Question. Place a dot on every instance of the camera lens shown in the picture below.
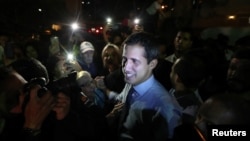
(41, 91)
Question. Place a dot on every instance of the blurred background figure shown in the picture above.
(187, 74)
(129, 20)
(226, 109)
(86, 58)
(151, 16)
(31, 51)
(238, 71)
(111, 57)
(19, 119)
(1, 56)
(13, 52)
(58, 67)
(223, 44)
(3, 41)
(113, 76)
(183, 42)
(55, 47)
(30, 68)
(89, 88)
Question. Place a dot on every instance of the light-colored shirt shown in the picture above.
(192, 102)
(171, 58)
(153, 96)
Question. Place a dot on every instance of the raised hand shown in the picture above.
(38, 108)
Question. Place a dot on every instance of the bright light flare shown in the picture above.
(70, 57)
(74, 26)
(231, 17)
(109, 20)
(164, 7)
(137, 21)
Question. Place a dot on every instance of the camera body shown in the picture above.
(68, 85)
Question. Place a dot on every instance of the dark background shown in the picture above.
(23, 15)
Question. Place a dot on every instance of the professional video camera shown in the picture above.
(68, 85)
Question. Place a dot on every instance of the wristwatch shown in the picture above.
(32, 132)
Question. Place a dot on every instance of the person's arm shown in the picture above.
(36, 111)
(117, 108)
(160, 10)
(101, 85)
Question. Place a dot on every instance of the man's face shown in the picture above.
(238, 74)
(136, 69)
(13, 95)
(238, 69)
(88, 57)
(182, 41)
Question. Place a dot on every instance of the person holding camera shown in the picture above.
(29, 114)
(38, 110)
(19, 121)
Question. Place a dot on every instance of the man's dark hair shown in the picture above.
(30, 68)
(146, 40)
(187, 30)
(191, 68)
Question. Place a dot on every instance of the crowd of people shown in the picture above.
(140, 88)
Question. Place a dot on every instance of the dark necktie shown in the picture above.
(129, 100)
(131, 96)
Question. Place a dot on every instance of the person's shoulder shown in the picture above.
(158, 88)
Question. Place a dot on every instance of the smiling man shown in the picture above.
(152, 112)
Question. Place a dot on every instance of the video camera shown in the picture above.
(68, 85)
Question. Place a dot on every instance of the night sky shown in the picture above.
(19, 15)
(24, 14)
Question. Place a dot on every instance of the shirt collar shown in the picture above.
(144, 86)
